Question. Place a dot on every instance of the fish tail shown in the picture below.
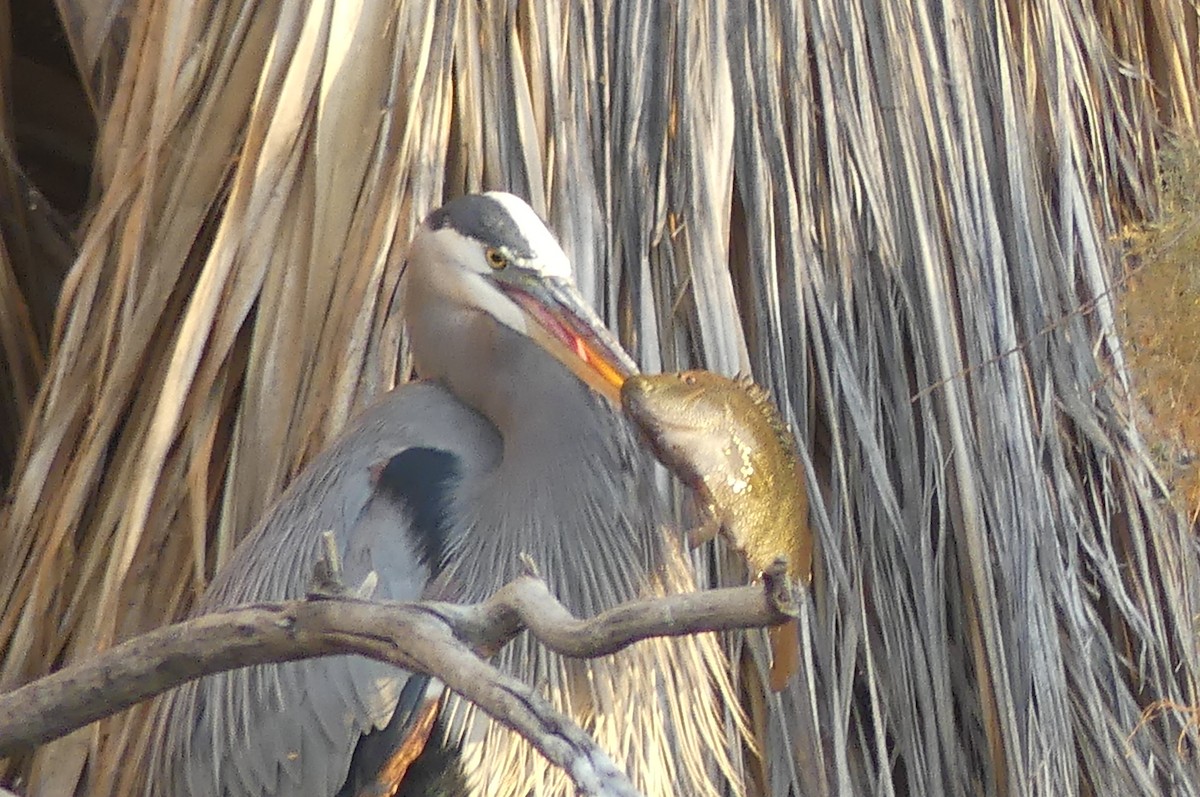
(785, 653)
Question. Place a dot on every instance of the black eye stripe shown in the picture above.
(484, 219)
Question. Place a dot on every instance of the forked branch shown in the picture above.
(439, 639)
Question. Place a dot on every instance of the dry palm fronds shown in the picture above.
(897, 213)
(35, 250)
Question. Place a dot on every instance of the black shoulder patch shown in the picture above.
(420, 479)
(484, 219)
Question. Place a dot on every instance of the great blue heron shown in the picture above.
(505, 448)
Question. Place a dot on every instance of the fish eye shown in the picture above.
(496, 258)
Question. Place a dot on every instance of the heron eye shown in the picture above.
(689, 379)
(496, 258)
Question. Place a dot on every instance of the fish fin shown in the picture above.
(756, 391)
(785, 653)
(746, 382)
(701, 534)
(765, 405)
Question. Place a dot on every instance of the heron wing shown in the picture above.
(292, 728)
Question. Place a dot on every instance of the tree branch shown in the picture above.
(439, 639)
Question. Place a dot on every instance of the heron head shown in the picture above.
(491, 254)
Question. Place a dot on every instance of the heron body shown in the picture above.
(510, 445)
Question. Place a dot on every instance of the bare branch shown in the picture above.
(438, 639)
(327, 572)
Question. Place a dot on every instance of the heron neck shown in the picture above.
(541, 409)
(568, 486)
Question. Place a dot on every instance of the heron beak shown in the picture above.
(566, 327)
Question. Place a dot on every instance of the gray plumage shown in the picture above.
(291, 728)
(544, 467)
